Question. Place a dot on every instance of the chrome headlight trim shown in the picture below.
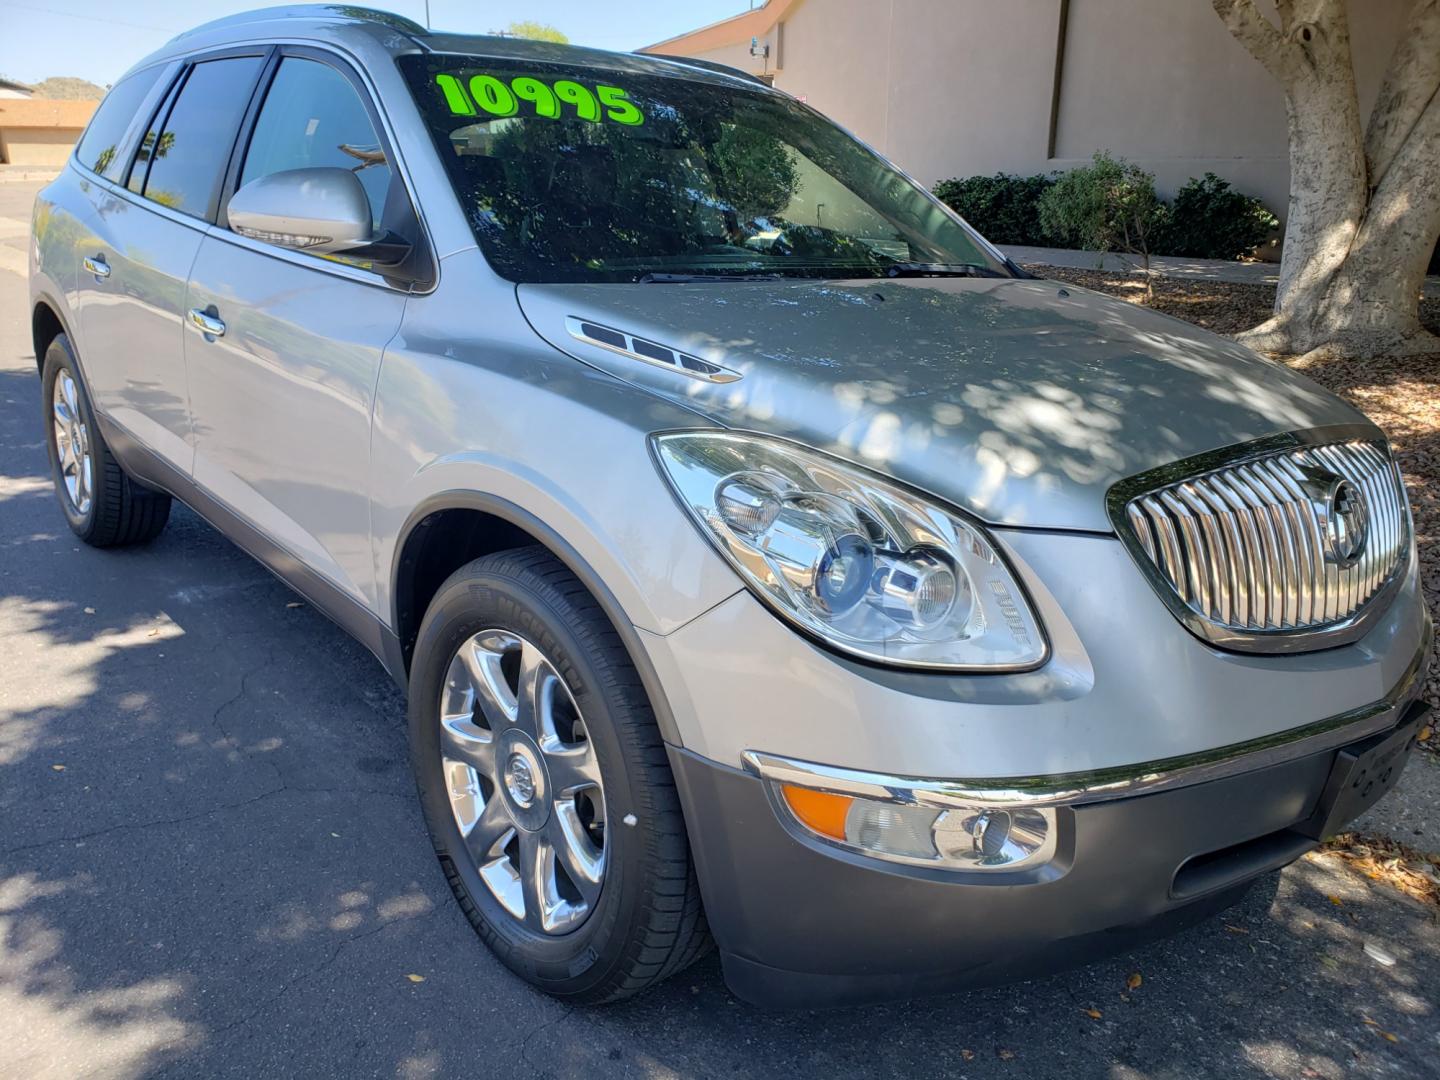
(912, 527)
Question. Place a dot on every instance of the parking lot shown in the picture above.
(211, 863)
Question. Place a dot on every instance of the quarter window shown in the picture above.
(99, 147)
(314, 118)
(187, 158)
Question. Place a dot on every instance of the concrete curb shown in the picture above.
(19, 174)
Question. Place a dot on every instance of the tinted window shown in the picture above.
(188, 158)
(100, 145)
(313, 118)
(586, 174)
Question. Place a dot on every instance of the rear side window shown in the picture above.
(187, 158)
(99, 147)
(314, 118)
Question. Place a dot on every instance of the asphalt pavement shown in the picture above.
(212, 864)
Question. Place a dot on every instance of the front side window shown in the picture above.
(583, 174)
(314, 118)
(186, 160)
(100, 145)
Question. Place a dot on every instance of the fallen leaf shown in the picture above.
(1005, 1055)
(1134, 981)
(1093, 1014)
(1236, 929)
(968, 1055)
(1337, 901)
(1330, 961)
(1372, 1023)
(1376, 857)
(1424, 735)
(416, 978)
(1387, 1036)
(58, 768)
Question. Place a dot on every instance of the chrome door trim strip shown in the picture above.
(1122, 781)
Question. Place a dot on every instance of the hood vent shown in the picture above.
(649, 352)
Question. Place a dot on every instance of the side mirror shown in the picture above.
(323, 211)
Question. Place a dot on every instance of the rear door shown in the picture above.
(281, 398)
(142, 232)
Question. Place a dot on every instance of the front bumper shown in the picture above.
(801, 922)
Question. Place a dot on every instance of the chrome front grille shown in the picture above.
(1274, 545)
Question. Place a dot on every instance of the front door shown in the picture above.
(281, 395)
(139, 244)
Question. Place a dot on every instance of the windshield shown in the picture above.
(584, 174)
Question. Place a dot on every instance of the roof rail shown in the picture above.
(708, 65)
(317, 12)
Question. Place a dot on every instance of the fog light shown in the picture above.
(957, 837)
(991, 831)
(989, 837)
(893, 830)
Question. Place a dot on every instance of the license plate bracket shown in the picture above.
(1363, 772)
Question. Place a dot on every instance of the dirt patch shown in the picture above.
(1401, 396)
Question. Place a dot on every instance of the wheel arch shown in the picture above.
(451, 528)
(46, 324)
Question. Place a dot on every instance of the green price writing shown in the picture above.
(498, 97)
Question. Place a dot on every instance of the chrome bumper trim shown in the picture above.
(1121, 781)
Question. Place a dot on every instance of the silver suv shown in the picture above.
(766, 556)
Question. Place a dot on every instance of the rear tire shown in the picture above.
(102, 504)
(637, 918)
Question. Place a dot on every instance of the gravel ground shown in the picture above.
(1402, 396)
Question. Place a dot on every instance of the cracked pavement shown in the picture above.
(212, 864)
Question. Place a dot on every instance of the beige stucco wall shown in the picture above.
(37, 146)
(736, 56)
(1166, 85)
(956, 87)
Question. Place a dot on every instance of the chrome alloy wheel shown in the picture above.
(523, 781)
(72, 443)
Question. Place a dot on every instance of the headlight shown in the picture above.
(868, 567)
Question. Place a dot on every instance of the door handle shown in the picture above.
(206, 323)
(97, 266)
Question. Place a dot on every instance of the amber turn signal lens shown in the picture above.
(821, 811)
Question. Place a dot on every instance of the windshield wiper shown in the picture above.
(924, 269)
(681, 279)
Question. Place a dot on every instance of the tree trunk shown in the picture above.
(1364, 208)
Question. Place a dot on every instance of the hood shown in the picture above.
(1020, 401)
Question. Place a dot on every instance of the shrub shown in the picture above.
(1109, 205)
(1004, 208)
(1211, 220)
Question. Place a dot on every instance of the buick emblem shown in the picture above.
(1347, 521)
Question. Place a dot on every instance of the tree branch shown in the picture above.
(1411, 85)
(1259, 35)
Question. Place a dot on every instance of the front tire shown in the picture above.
(102, 504)
(545, 784)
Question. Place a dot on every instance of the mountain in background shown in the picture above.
(68, 88)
